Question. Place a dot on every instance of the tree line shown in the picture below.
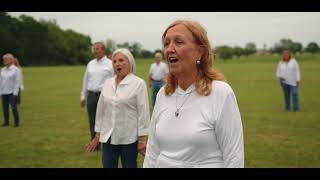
(42, 42)
(45, 43)
(227, 52)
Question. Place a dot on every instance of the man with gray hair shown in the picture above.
(158, 72)
(98, 70)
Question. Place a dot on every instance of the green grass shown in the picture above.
(54, 129)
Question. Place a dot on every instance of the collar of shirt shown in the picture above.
(180, 91)
(10, 67)
(104, 58)
(124, 81)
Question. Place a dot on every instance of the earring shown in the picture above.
(198, 62)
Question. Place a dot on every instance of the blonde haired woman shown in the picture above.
(196, 121)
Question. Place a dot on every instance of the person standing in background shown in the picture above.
(158, 72)
(97, 72)
(9, 89)
(288, 72)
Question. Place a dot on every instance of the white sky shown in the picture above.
(224, 28)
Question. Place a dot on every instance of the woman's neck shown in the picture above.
(119, 79)
(185, 81)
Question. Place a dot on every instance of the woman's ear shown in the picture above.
(201, 52)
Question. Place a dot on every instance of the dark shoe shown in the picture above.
(5, 125)
(16, 126)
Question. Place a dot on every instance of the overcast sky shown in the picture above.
(224, 28)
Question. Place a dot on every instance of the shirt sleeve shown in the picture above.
(21, 79)
(153, 150)
(143, 110)
(298, 77)
(229, 133)
(17, 83)
(84, 91)
(99, 113)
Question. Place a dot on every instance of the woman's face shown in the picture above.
(181, 51)
(286, 56)
(120, 65)
(7, 61)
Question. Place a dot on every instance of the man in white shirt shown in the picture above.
(9, 89)
(288, 72)
(98, 70)
(158, 72)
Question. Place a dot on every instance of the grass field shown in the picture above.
(54, 129)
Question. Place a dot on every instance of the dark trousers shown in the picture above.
(92, 102)
(128, 154)
(12, 100)
(289, 91)
(156, 86)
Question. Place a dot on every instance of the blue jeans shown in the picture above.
(156, 86)
(12, 100)
(92, 102)
(289, 91)
(127, 152)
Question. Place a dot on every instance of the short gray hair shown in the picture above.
(102, 45)
(8, 55)
(158, 54)
(129, 56)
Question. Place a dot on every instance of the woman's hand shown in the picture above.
(93, 144)
(142, 146)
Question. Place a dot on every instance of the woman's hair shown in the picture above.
(8, 56)
(205, 73)
(16, 62)
(129, 56)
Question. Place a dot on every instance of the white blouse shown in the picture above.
(289, 71)
(10, 80)
(123, 112)
(206, 133)
(158, 71)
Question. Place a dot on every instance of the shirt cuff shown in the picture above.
(143, 132)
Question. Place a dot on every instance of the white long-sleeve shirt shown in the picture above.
(96, 74)
(207, 133)
(21, 79)
(123, 112)
(158, 71)
(289, 71)
(9, 80)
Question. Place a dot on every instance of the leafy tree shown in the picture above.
(224, 52)
(312, 47)
(250, 48)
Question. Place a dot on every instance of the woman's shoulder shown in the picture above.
(137, 79)
(221, 87)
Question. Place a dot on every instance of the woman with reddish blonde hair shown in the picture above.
(196, 120)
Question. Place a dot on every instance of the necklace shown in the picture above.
(176, 113)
